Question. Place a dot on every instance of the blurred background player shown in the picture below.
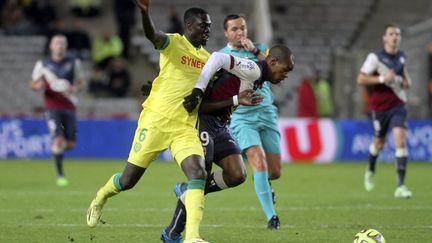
(386, 73)
(59, 76)
(255, 127)
(163, 123)
(228, 89)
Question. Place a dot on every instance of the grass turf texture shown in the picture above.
(316, 203)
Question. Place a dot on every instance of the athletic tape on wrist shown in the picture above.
(235, 100)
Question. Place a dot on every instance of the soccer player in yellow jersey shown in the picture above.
(164, 123)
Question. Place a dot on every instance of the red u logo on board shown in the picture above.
(313, 137)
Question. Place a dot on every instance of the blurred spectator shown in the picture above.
(13, 21)
(322, 91)
(85, 8)
(118, 78)
(97, 83)
(114, 82)
(42, 14)
(307, 106)
(176, 25)
(106, 48)
(79, 41)
(125, 17)
(59, 27)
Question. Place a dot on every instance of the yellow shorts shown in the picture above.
(156, 133)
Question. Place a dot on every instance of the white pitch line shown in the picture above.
(238, 226)
(214, 209)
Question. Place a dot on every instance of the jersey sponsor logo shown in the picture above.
(248, 65)
(137, 147)
(190, 61)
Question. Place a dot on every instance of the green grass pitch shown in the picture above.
(316, 203)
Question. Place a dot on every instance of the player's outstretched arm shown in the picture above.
(247, 97)
(214, 63)
(156, 37)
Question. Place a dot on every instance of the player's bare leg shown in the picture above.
(117, 183)
(233, 173)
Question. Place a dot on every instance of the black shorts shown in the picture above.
(216, 138)
(383, 121)
(62, 122)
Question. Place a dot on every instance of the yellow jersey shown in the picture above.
(180, 65)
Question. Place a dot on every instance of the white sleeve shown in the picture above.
(370, 65)
(216, 61)
(37, 71)
(247, 71)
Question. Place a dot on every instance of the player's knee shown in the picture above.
(376, 147)
(200, 173)
(380, 146)
(196, 173)
(237, 177)
(194, 168)
(57, 148)
(70, 145)
(275, 174)
(260, 166)
(260, 163)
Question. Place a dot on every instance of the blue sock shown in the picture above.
(263, 191)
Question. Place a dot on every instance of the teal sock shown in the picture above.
(196, 184)
(116, 181)
(263, 191)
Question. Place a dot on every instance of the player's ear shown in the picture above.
(273, 60)
(188, 25)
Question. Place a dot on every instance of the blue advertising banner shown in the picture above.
(327, 140)
(356, 136)
(29, 138)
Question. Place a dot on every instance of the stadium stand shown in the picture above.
(314, 30)
(330, 35)
(414, 43)
(17, 57)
